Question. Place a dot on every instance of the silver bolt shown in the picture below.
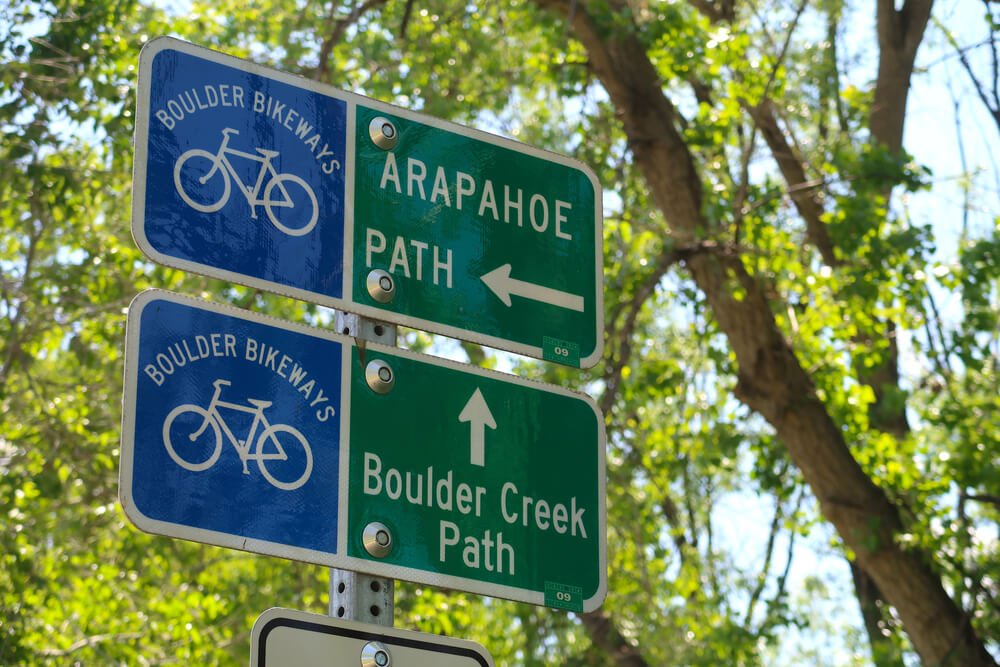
(379, 376)
(377, 539)
(383, 133)
(375, 654)
(381, 286)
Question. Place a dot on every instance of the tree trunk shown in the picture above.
(603, 633)
(771, 381)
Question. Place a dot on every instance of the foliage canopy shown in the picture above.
(777, 266)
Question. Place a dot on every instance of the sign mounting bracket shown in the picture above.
(355, 596)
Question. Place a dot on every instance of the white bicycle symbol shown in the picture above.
(196, 168)
(196, 453)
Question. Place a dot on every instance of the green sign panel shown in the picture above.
(481, 235)
(479, 476)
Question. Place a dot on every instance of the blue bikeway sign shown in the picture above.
(262, 178)
(247, 432)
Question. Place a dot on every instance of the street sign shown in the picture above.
(243, 431)
(287, 638)
(274, 181)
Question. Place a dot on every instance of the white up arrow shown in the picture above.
(500, 282)
(478, 414)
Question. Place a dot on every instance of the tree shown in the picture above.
(773, 329)
(771, 377)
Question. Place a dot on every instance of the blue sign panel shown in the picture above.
(243, 172)
(232, 429)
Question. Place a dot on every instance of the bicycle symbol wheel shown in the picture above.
(187, 443)
(284, 457)
(201, 181)
(291, 205)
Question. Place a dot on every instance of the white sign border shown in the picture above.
(141, 143)
(275, 617)
(339, 559)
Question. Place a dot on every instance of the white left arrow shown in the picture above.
(478, 414)
(503, 285)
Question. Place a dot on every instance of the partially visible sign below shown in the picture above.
(263, 178)
(247, 432)
(287, 638)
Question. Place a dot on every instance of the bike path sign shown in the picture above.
(247, 432)
(262, 178)
(287, 638)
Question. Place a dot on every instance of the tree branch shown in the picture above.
(805, 193)
(717, 11)
(765, 569)
(625, 333)
(984, 498)
(93, 640)
(992, 106)
(14, 336)
(900, 33)
(807, 200)
(335, 29)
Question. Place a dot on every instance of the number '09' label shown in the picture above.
(563, 596)
(561, 351)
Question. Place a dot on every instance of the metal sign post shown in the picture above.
(354, 595)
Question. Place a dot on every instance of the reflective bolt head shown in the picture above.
(383, 133)
(381, 286)
(379, 376)
(377, 539)
(375, 654)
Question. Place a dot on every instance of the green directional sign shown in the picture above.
(480, 235)
(481, 476)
